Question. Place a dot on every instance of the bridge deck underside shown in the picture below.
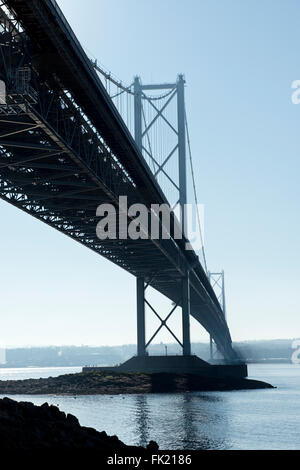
(58, 165)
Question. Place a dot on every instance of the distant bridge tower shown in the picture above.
(177, 180)
(217, 281)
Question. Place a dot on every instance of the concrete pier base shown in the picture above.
(175, 365)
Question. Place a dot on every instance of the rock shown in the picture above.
(72, 420)
(25, 426)
(152, 447)
(116, 383)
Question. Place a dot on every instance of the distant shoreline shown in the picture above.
(274, 351)
(259, 361)
(270, 361)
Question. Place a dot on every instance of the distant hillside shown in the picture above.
(53, 356)
(277, 350)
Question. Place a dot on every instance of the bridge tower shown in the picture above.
(142, 129)
(217, 280)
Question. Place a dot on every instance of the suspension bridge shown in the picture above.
(74, 137)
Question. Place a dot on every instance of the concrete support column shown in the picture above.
(186, 341)
(140, 303)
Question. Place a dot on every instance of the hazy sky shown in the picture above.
(239, 59)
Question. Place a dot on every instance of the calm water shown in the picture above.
(251, 419)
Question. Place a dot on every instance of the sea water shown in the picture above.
(247, 419)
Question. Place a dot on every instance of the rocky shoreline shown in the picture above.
(25, 426)
(94, 383)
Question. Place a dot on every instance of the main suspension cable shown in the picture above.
(108, 76)
(195, 191)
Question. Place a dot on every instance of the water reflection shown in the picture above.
(186, 421)
(142, 420)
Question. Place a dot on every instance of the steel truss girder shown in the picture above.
(59, 125)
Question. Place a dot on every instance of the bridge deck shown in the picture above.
(64, 150)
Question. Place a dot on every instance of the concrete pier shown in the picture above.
(175, 365)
